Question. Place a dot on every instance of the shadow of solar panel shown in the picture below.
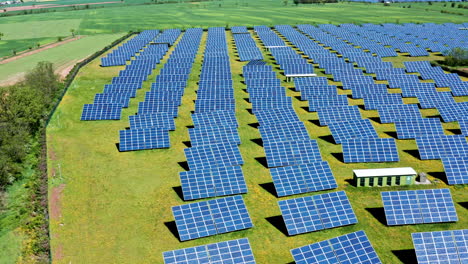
(350, 248)
(370, 150)
(232, 251)
(333, 114)
(412, 128)
(441, 246)
(358, 128)
(291, 153)
(211, 217)
(439, 146)
(212, 156)
(456, 169)
(373, 101)
(208, 135)
(200, 184)
(291, 131)
(311, 177)
(160, 120)
(215, 118)
(145, 138)
(393, 113)
(452, 112)
(320, 101)
(311, 213)
(420, 206)
(101, 112)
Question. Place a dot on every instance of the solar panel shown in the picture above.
(312, 213)
(417, 89)
(333, 114)
(452, 112)
(373, 101)
(213, 155)
(358, 128)
(101, 112)
(370, 150)
(208, 135)
(320, 101)
(232, 251)
(161, 120)
(215, 118)
(144, 138)
(432, 100)
(435, 146)
(147, 107)
(361, 90)
(113, 98)
(449, 246)
(412, 128)
(292, 131)
(456, 169)
(291, 153)
(350, 248)
(198, 184)
(463, 123)
(419, 206)
(310, 177)
(393, 113)
(276, 116)
(211, 217)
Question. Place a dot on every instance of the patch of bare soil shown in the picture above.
(55, 202)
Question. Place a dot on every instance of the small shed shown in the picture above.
(384, 177)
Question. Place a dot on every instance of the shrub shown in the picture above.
(457, 57)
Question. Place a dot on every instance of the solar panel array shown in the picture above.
(456, 169)
(232, 251)
(410, 128)
(370, 150)
(211, 217)
(434, 146)
(246, 48)
(419, 206)
(449, 246)
(350, 248)
(317, 212)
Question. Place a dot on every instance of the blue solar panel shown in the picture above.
(233, 251)
(438, 146)
(150, 107)
(161, 120)
(292, 131)
(312, 213)
(311, 177)
(276, 116)
(452, 112)
(208, 135)
(432, 100)
(456, 169)
(213, 156)
(449, 246)
(291, 153)
(319, 101)
(463, 123)
(333, 114)
(211, 217)
(417, 89)
(459, 89)
(370, 150)
(352, 248)
(393, 113)
(101, 112)
(420, 206)
(373, 101)
(113, 98)
(412, 128)
(362, 90)
(122, 88)
(144, 138)
(216, 118)
(358, 128)
(198, 184)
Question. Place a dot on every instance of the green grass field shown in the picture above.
(116, 207)
(62, 56)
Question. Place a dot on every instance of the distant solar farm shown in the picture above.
(339, 74)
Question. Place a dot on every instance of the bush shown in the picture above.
(457, 57)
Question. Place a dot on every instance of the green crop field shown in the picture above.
(116, 207)
(62, 56)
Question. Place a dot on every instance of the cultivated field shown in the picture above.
(111, 207)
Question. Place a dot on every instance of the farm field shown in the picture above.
(112, 207)
(63, 56)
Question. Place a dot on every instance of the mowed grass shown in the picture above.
(38, 29)
(116, 207)
(65, 55)
(237, 12)
(7, 46)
